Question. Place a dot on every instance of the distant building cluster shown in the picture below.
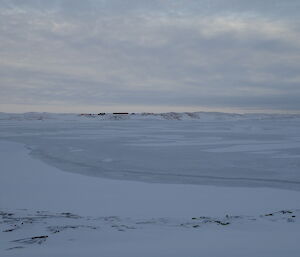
(103, 113)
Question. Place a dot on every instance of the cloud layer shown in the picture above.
(173, 54)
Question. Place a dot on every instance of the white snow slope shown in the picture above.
(47, 212)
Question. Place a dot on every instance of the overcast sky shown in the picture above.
(143, 55)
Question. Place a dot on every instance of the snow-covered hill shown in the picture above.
(202, 116)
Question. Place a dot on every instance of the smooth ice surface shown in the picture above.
(31, 184)
(190, 148)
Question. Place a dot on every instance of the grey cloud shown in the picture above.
(230, 53)
(207, 7)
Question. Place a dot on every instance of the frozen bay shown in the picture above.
(212, 149)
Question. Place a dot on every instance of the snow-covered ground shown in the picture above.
(47, 212)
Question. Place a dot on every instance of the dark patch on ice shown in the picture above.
(57, 229)
(70, 215)
(31, 240)
(14, 248)
(121, 227)
(205, 220)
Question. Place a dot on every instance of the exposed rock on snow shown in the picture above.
(51, 224)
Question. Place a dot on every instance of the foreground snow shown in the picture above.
(46, 212)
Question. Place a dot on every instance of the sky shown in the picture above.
(154, 56)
